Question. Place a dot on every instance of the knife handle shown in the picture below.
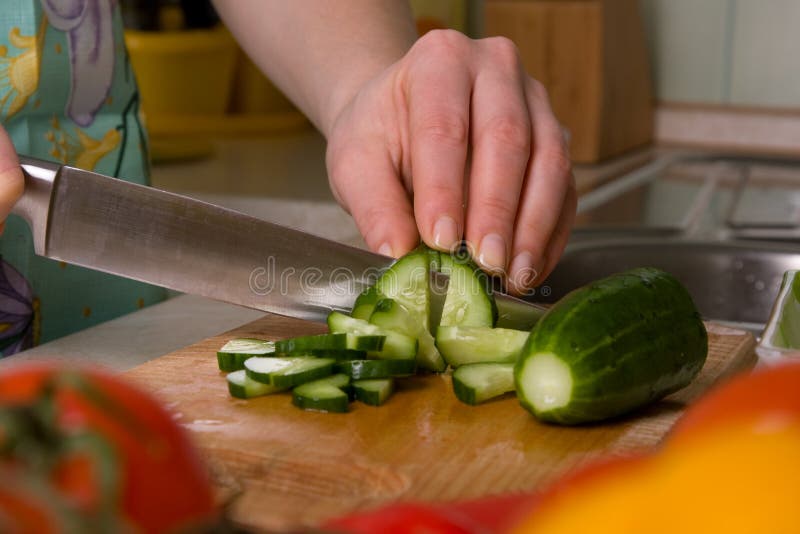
(34, 206)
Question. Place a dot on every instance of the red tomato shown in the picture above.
(23, 509)
(110, 449)
(765, 398)
(486, 515)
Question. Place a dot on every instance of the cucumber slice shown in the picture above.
(407, 282)
(374, 392)
(288, 372)
(324, 395)
(242, 386)
(611, 347)
(339, 355)
(479, 382)
(329, 342)
(232, 355)
(463, 345)
(365, 302)
(469, 301)
(362, 369)
(392, 315)
(395, 346)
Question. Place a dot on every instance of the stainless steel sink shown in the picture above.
(731, 282)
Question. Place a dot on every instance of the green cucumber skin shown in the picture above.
(330, 394)
(231, 361)
(365, 303)
(371, 369)
(468, 394)
(327, 342)
(337, 404)
(365, 391)
(629, 339)
(339, 354)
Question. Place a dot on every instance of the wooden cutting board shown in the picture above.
(290, 468)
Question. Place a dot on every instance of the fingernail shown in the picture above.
(386, 250)
(522, 273)
(492, 252)
(445, 233)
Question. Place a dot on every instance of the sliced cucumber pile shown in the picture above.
(601, 351)
(232, 355)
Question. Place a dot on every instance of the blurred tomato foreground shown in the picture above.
(83, 451)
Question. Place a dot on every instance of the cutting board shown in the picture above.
(286, 468)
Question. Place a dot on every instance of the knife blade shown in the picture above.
(170, 240)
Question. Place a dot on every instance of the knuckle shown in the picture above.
(558, 163)
(510, 131)
(504, 50)
(442, 41)
(447, 128)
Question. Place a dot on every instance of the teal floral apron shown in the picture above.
(67, 94)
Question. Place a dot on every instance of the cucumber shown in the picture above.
(611, 347)
(329, 342)
(365, 302)
(391, 315)
(479, 382)
(325, 395)
(288, 372)
(338, 354)
(395, 345)
(462, 345)
(469, 300)
(407, 282)
(242, 386)
(363, 369)
(373, 392)
(232, 355)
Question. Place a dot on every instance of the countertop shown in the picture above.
(281, 179)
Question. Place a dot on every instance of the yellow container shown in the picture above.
(182, 74)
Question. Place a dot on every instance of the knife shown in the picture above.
(169, 240)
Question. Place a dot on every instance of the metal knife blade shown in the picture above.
(173, 241)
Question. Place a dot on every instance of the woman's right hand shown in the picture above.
(12, 182)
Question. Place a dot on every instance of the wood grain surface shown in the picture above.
(289, 469)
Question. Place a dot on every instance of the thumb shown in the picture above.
(366, 184)
(12, 182)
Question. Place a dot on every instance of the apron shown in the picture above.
(68, 95)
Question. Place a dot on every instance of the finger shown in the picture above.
(11, 180)
(367, 186)
(438, 92)
(501, 144)
(547, 182)
(558, 241)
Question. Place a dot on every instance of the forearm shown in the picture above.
(320, 52)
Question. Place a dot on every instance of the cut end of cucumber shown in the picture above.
(545, 381)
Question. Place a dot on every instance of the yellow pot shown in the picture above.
(182, 74)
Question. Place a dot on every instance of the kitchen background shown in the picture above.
(716, 72)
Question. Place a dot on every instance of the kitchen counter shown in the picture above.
(281, 179)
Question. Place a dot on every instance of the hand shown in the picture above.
(11, 181)
(456, 141)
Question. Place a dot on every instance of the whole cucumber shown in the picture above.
(610, 347)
